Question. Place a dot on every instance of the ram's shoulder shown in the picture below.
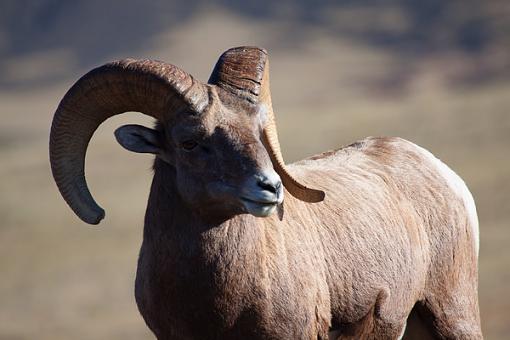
(382, 149)
(391, 157)
(390, 150)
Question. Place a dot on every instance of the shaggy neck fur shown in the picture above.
(196, 263)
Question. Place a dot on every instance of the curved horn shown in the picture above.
(244, 71)
(151, 87)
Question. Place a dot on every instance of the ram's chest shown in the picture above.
(230, 296)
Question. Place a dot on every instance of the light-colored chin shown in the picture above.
(259, 210)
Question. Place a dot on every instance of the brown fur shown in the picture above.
(389, 235)
(396, 234)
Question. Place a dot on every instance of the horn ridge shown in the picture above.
(244, 71)
(150, 87)
(239, 70)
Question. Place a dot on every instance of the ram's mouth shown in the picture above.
(259, 208)
(261, 202)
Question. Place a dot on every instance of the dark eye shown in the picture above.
(188, 145)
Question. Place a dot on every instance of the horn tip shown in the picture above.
(307, 195)
(94, 217)
(323, 195)
(317, 196)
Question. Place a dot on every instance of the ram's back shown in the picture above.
(395, 221)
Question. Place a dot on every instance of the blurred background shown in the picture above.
(435, 72)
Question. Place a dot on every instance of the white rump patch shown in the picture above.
(460, 189)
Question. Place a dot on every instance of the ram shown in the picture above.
(365, 235)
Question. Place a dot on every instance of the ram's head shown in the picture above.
(218, 139)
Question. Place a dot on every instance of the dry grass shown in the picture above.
(61, 279)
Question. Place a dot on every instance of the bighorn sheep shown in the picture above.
(396, 228)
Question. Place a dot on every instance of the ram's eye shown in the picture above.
(188, 145)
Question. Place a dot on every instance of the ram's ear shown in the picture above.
(139, 139)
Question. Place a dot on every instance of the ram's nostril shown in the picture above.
(267, 184)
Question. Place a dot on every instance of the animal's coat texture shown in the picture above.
(391, 233)
(395, 235)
